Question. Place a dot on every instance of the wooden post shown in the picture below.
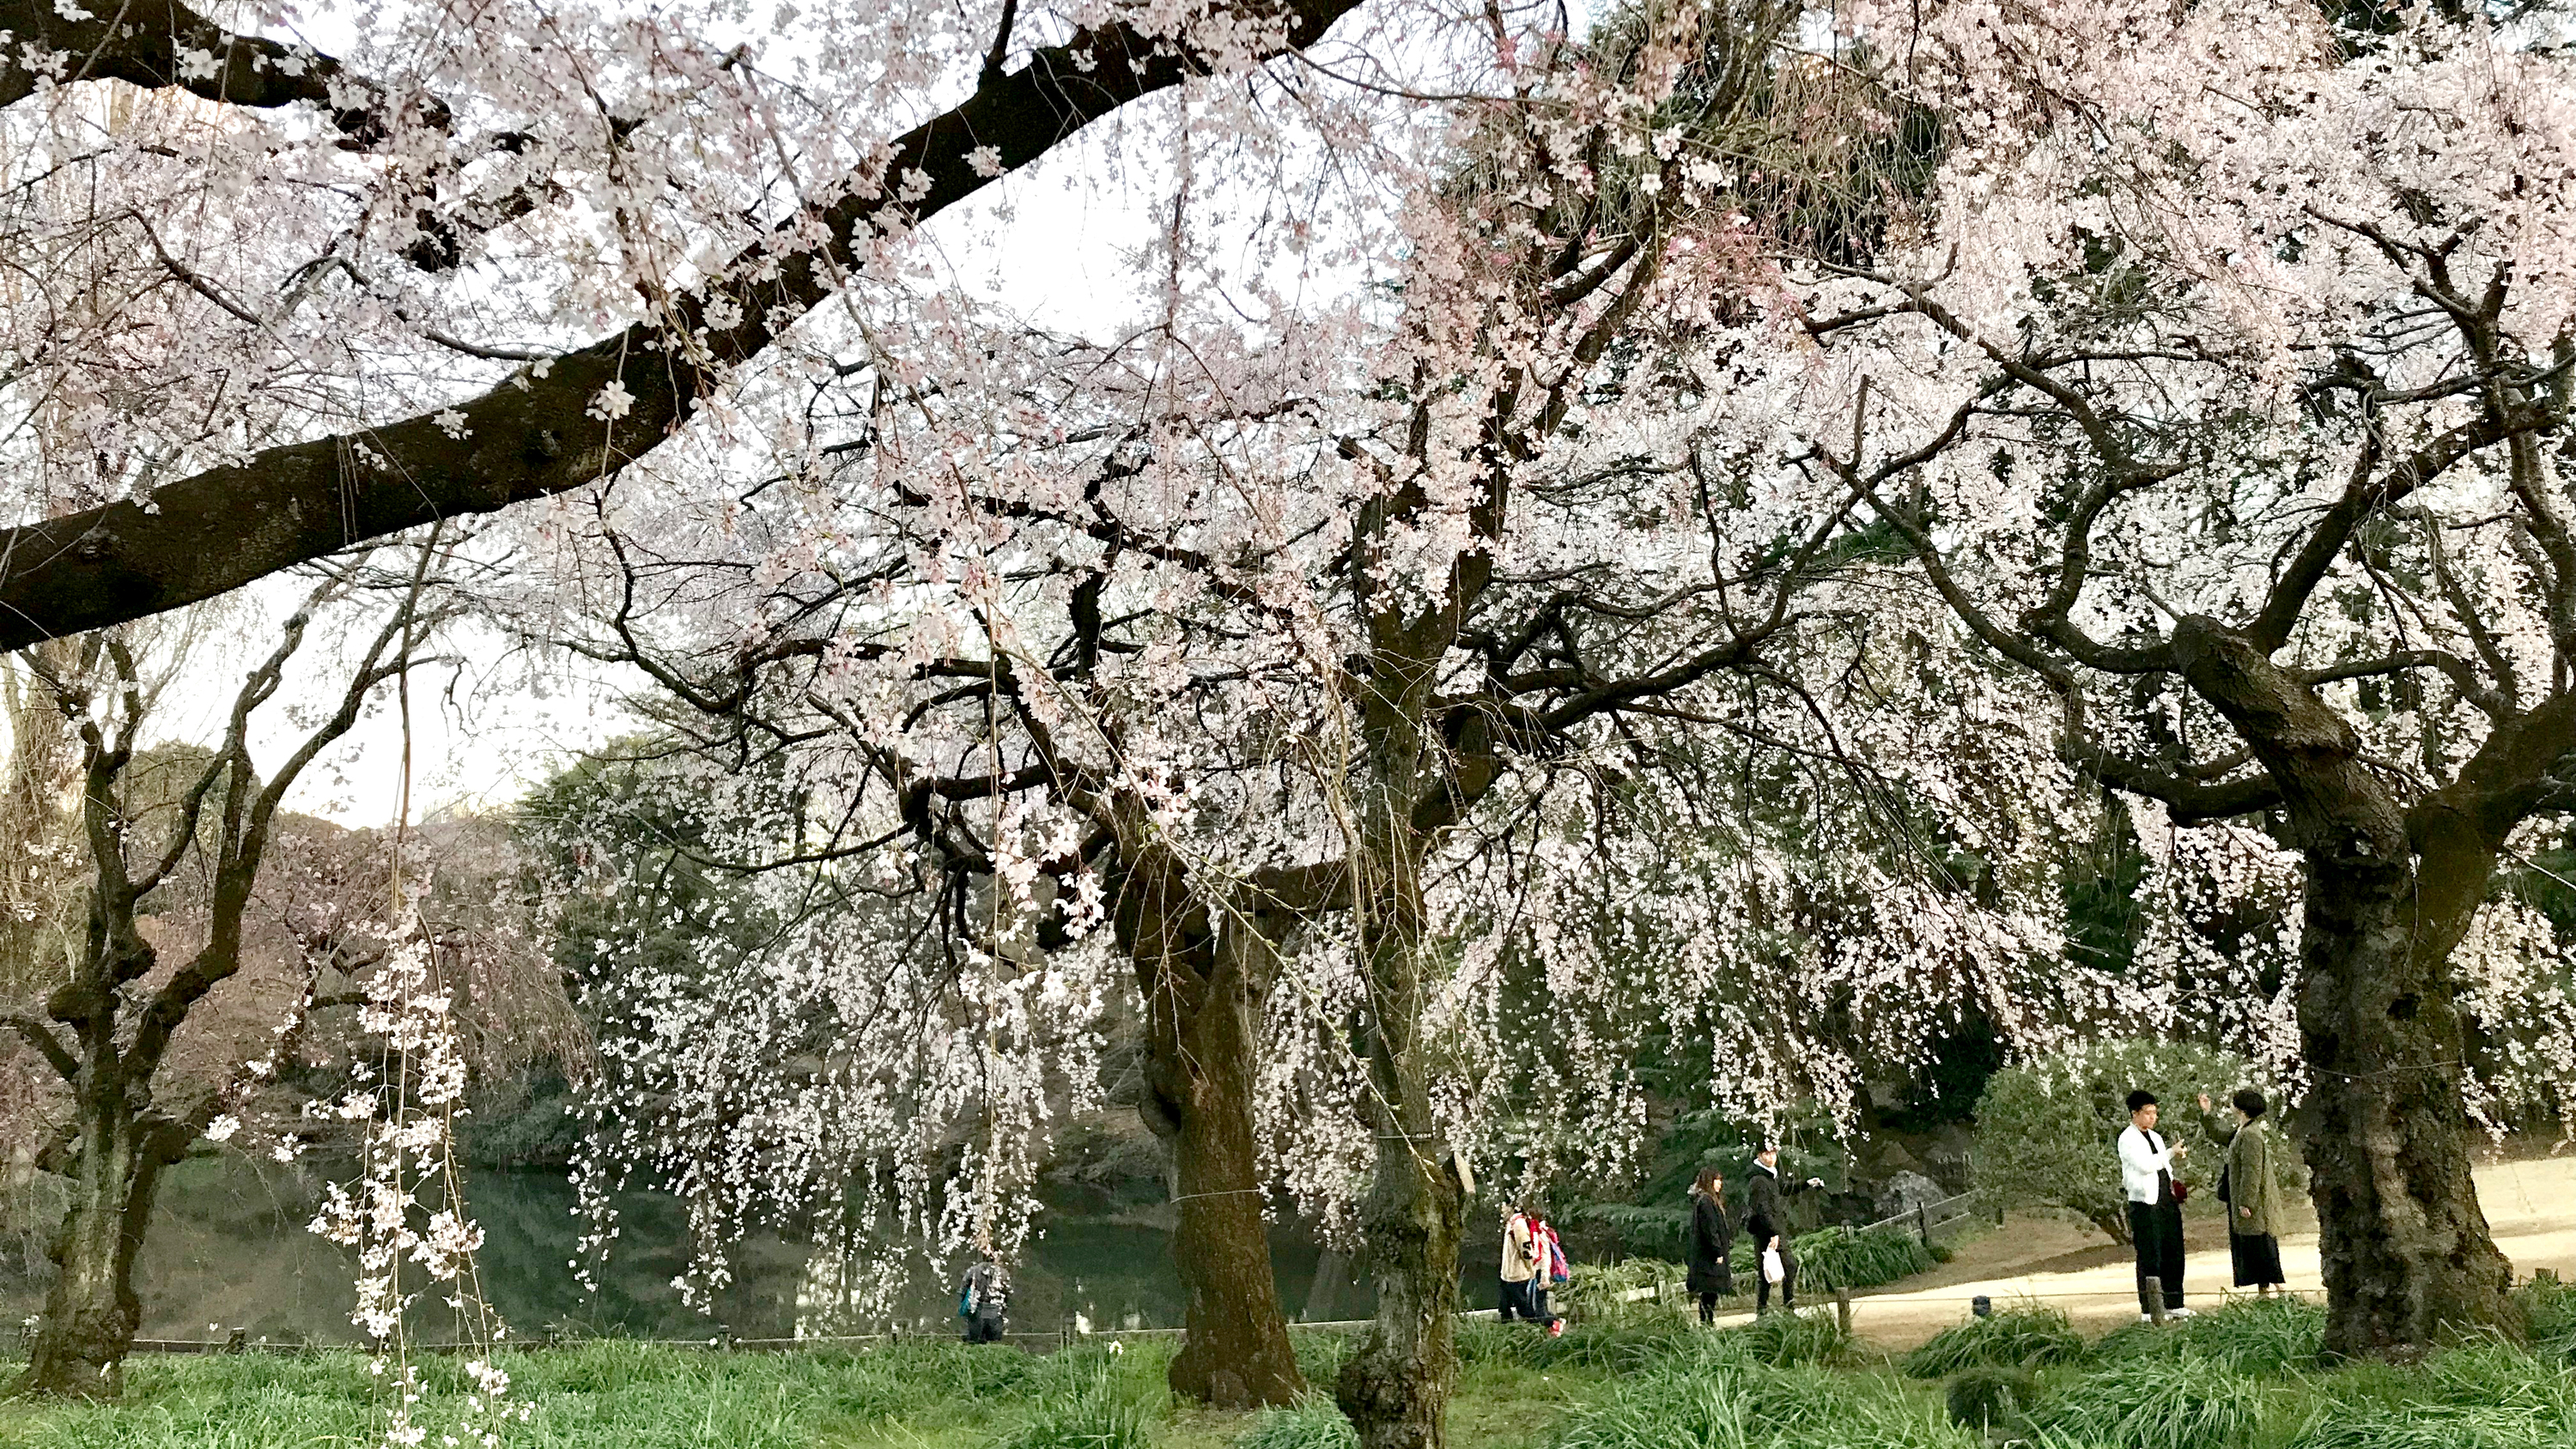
(1923, 1222)
(1842, 1310)
(2151, 1298)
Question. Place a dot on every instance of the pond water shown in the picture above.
(229, 1248)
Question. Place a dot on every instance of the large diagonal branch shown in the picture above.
(538, 433)
(49, 1046)
(162, 44)
(2525, 766)
(2365, 498)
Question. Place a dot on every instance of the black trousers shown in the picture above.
(1788, 1284)
(983, 1328)
(1527, 1298)
(1708, 1308)
(2155, 1230)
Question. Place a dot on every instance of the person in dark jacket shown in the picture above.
(983, 1299)
(2251, 1188)
(1770, 1226)
(1712, 1242)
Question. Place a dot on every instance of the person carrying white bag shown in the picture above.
(1770, 1228)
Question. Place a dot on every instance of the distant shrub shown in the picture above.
(1840, 1257)
(2045, 1131)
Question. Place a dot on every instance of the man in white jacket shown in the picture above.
(2155, 1211)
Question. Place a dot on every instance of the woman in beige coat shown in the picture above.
(2252, 1190)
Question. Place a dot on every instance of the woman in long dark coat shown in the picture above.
(2253, 1192)
(1712, 1240)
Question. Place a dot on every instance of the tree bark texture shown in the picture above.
(1396, 1384)
(113, 1150)
(92, 1311)
(2408, 1259)
(1204, 1031)
(1203, 985)
(119, 1139)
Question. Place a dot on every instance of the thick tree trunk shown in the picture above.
(1396, 1385)
(92, 1312)
(1235, 1353)
(2407, 1256)
(1203, 989)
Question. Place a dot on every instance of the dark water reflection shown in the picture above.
(230, 1248)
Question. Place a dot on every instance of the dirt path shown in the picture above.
(2530, 1206)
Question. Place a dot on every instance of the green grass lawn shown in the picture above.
(1646, 1379)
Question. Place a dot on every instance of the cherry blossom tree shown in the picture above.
(108, 1029)
(1201, 635)
(2219, 398)
(287, 301)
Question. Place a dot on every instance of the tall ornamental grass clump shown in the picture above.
(2026, 1336)
(1627, 1343)
(1789, 1340)
(1991, 1400)
(1086, 1406)
(1731, 1405)
(1319, 1354)
(1841, 1257)
(1637, 1339)
(1666, 1411)
(2158, 1403)
(2380, 1426)
(1313, 1422)
(2265, 1338)
(2477, 1396)
(220, 1403)
(944, 1368)
(2549, 1308)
